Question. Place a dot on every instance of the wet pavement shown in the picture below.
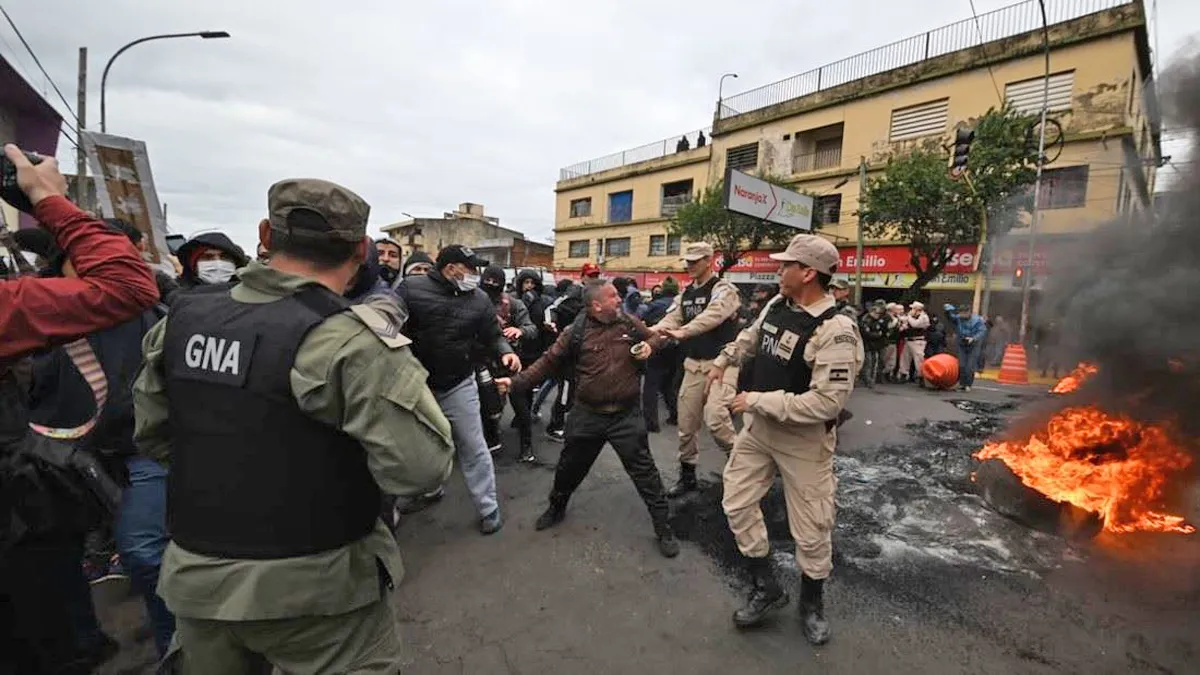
(927, 577)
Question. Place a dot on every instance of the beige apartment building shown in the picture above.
(816, 128)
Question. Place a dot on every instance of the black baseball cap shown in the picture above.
(457, 253)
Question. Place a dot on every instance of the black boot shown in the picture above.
(668, 545)
(764, 597)
(812, 610)
(554, 513)
(686, 483)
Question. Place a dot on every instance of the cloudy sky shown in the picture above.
(419, 106)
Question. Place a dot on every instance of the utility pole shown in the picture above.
(982, 267)
(1026, 287)
(858, 260)
(80, 155)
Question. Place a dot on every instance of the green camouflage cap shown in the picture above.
(343, 213)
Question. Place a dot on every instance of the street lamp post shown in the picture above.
(207, 35)
(721, 90)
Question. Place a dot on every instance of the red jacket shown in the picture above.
(114, 285)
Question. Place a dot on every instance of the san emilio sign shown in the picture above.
(755, 197)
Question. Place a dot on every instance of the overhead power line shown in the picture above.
(982, 42)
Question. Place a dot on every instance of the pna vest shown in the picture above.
(252, 476)
(779, 362)
(708, 345)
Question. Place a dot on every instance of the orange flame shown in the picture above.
(1075, 378)
(1106, 464)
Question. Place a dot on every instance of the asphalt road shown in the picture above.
(926, 578)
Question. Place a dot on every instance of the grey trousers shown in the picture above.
(460, 404)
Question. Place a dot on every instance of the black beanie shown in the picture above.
(413, 259)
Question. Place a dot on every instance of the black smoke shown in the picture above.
(1127, 298)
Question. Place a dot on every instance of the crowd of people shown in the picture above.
(249, 433)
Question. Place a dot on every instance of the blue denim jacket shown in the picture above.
(973, 326)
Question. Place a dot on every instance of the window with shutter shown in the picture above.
(1026, 96)
(915, 121)
(742, 157)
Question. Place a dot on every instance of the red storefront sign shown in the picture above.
(875, 259)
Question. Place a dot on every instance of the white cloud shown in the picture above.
(420, 106)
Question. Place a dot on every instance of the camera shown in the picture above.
(9, 190)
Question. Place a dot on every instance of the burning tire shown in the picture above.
(1005, 492)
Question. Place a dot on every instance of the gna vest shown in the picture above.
(252, 476)
(779, 360)
(708, 345)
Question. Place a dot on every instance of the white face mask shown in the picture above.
(468, 283)
(215, 271)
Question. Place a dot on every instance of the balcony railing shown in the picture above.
(996, 25)
(639, 154)
(673, 203)
(830, 158)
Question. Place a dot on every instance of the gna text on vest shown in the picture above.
(217, 355)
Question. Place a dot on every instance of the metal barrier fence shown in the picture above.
(639, 154)
(996, 25)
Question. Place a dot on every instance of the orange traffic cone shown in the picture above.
(1014, 369)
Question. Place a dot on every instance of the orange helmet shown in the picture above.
(590, 269)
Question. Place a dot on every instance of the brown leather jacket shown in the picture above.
(605, 372)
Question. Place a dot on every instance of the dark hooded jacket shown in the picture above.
(536, 301)
(215, 240)
(369, 289)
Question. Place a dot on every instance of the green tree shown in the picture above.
(916, 201)
(731, 234)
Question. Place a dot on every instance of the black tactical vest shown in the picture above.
(708, 345)
(779, 362)
(252, 476)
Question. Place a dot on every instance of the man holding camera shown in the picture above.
(112, 283)
(109, 285)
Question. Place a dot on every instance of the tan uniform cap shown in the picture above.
(697, 251)
(811, 251)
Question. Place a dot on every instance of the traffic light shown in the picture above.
(962, 148)
(1019, 276)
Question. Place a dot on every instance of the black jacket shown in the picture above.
(210, 239)
(446, 324)
(61, 398)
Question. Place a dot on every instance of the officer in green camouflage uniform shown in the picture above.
(281, 409)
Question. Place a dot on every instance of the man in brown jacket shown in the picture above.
(606, 380)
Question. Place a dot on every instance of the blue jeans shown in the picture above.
(460, 404)
(141, 535)
(968, 361)
(544, 393)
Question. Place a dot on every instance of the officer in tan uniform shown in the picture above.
(803, 358)
(703, 319)
(279, 408)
